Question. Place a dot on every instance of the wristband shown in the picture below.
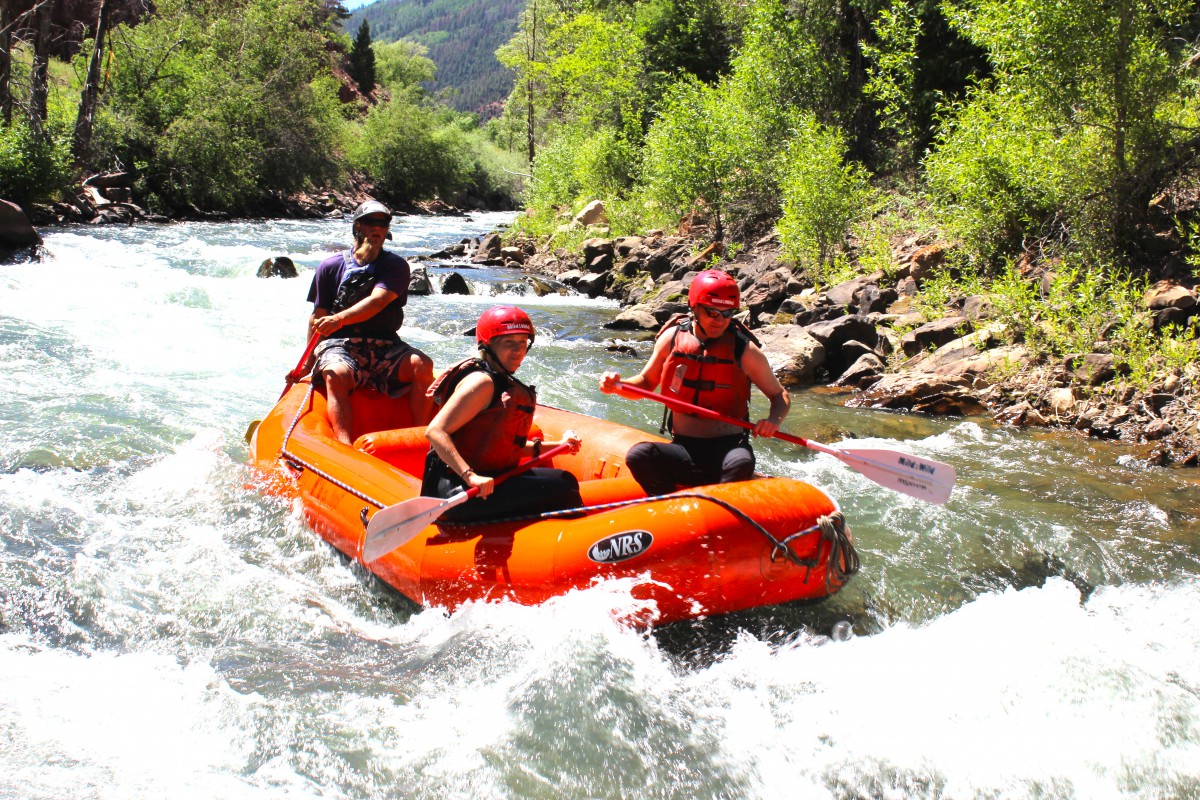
(467, 473)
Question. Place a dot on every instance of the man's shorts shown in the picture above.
(373, 363)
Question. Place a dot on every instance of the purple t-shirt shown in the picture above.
(392, 271)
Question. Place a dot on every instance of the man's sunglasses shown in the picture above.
(724, 313)
(375, 222)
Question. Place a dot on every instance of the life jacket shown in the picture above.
(357, 284)
(708, 373)
(494, 441)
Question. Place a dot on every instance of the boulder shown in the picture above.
(835, 333)
(922, 392)
(511, 255)
(635, 318)
(767, 293)
(593, 284)
(280, 266)
(933, 335)
(1094, 368)
(593, 213)
(793, 354)
(865, 371)
(15, 229)
(419, 284)
(1166, 294)
(489, 248)
(843, 294)
(454, 283)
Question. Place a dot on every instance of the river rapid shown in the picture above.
(168, 631)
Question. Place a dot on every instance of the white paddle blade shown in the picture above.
(398, 524)
(917, 477)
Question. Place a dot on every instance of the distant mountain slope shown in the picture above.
(462, 37)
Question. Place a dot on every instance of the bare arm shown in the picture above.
(648, 378)
(466, 402)
(758, 370)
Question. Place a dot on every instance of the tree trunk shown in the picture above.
(530, 55)
(5, 64)
(91, 89)
(39, 75)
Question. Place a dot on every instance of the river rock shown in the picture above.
(280, 266)
(593, 213)
(16, 233)
(593, 284)
(933, 334)
(863, 372)
(454, 283)
(635, 318)
(793, 354)
(489, 249)
(419, 284)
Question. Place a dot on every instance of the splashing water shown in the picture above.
(166, 629)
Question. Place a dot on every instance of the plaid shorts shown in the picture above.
(373, 363)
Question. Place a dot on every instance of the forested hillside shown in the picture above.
(233, 106)
(462, 37)
(1049, 151)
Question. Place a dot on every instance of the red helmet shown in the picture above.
(501, 321)
(714, 288)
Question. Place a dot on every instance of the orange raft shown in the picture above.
(701, 551)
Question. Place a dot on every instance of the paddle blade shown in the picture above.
(917, 477)
(396, 525)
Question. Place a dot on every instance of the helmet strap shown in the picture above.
(490, 355)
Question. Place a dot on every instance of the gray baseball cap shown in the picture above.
(370, 208)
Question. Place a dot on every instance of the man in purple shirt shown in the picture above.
(358, 302)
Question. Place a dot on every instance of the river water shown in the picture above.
(166, 631)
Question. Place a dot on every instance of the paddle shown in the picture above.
(296, 374)
(915, 476)
(298, 371)
(397, 524)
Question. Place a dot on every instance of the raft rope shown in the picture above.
(843, 558)
(297, 461)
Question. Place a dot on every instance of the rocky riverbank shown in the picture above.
(871, 338)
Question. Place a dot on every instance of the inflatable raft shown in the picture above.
(695, 552)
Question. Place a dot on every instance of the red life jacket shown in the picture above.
(708, 373)
(494, 440)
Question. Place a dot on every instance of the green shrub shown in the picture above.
(822, 195)
(32, 167)
(401, 149)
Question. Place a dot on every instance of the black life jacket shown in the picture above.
(494, 441)
(357, 284)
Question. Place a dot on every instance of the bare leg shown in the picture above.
(338, 385)
(417, 370)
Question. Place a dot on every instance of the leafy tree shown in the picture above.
(1097, 86)
(32, 164)
(362, 60)
(822, 196)
(595, 66)
(408, 155)
(691, 152)
(685, 36)
(219, 103)
(402, 65)
(892, 71)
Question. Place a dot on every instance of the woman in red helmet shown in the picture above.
(481, 429)
(708, 359)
